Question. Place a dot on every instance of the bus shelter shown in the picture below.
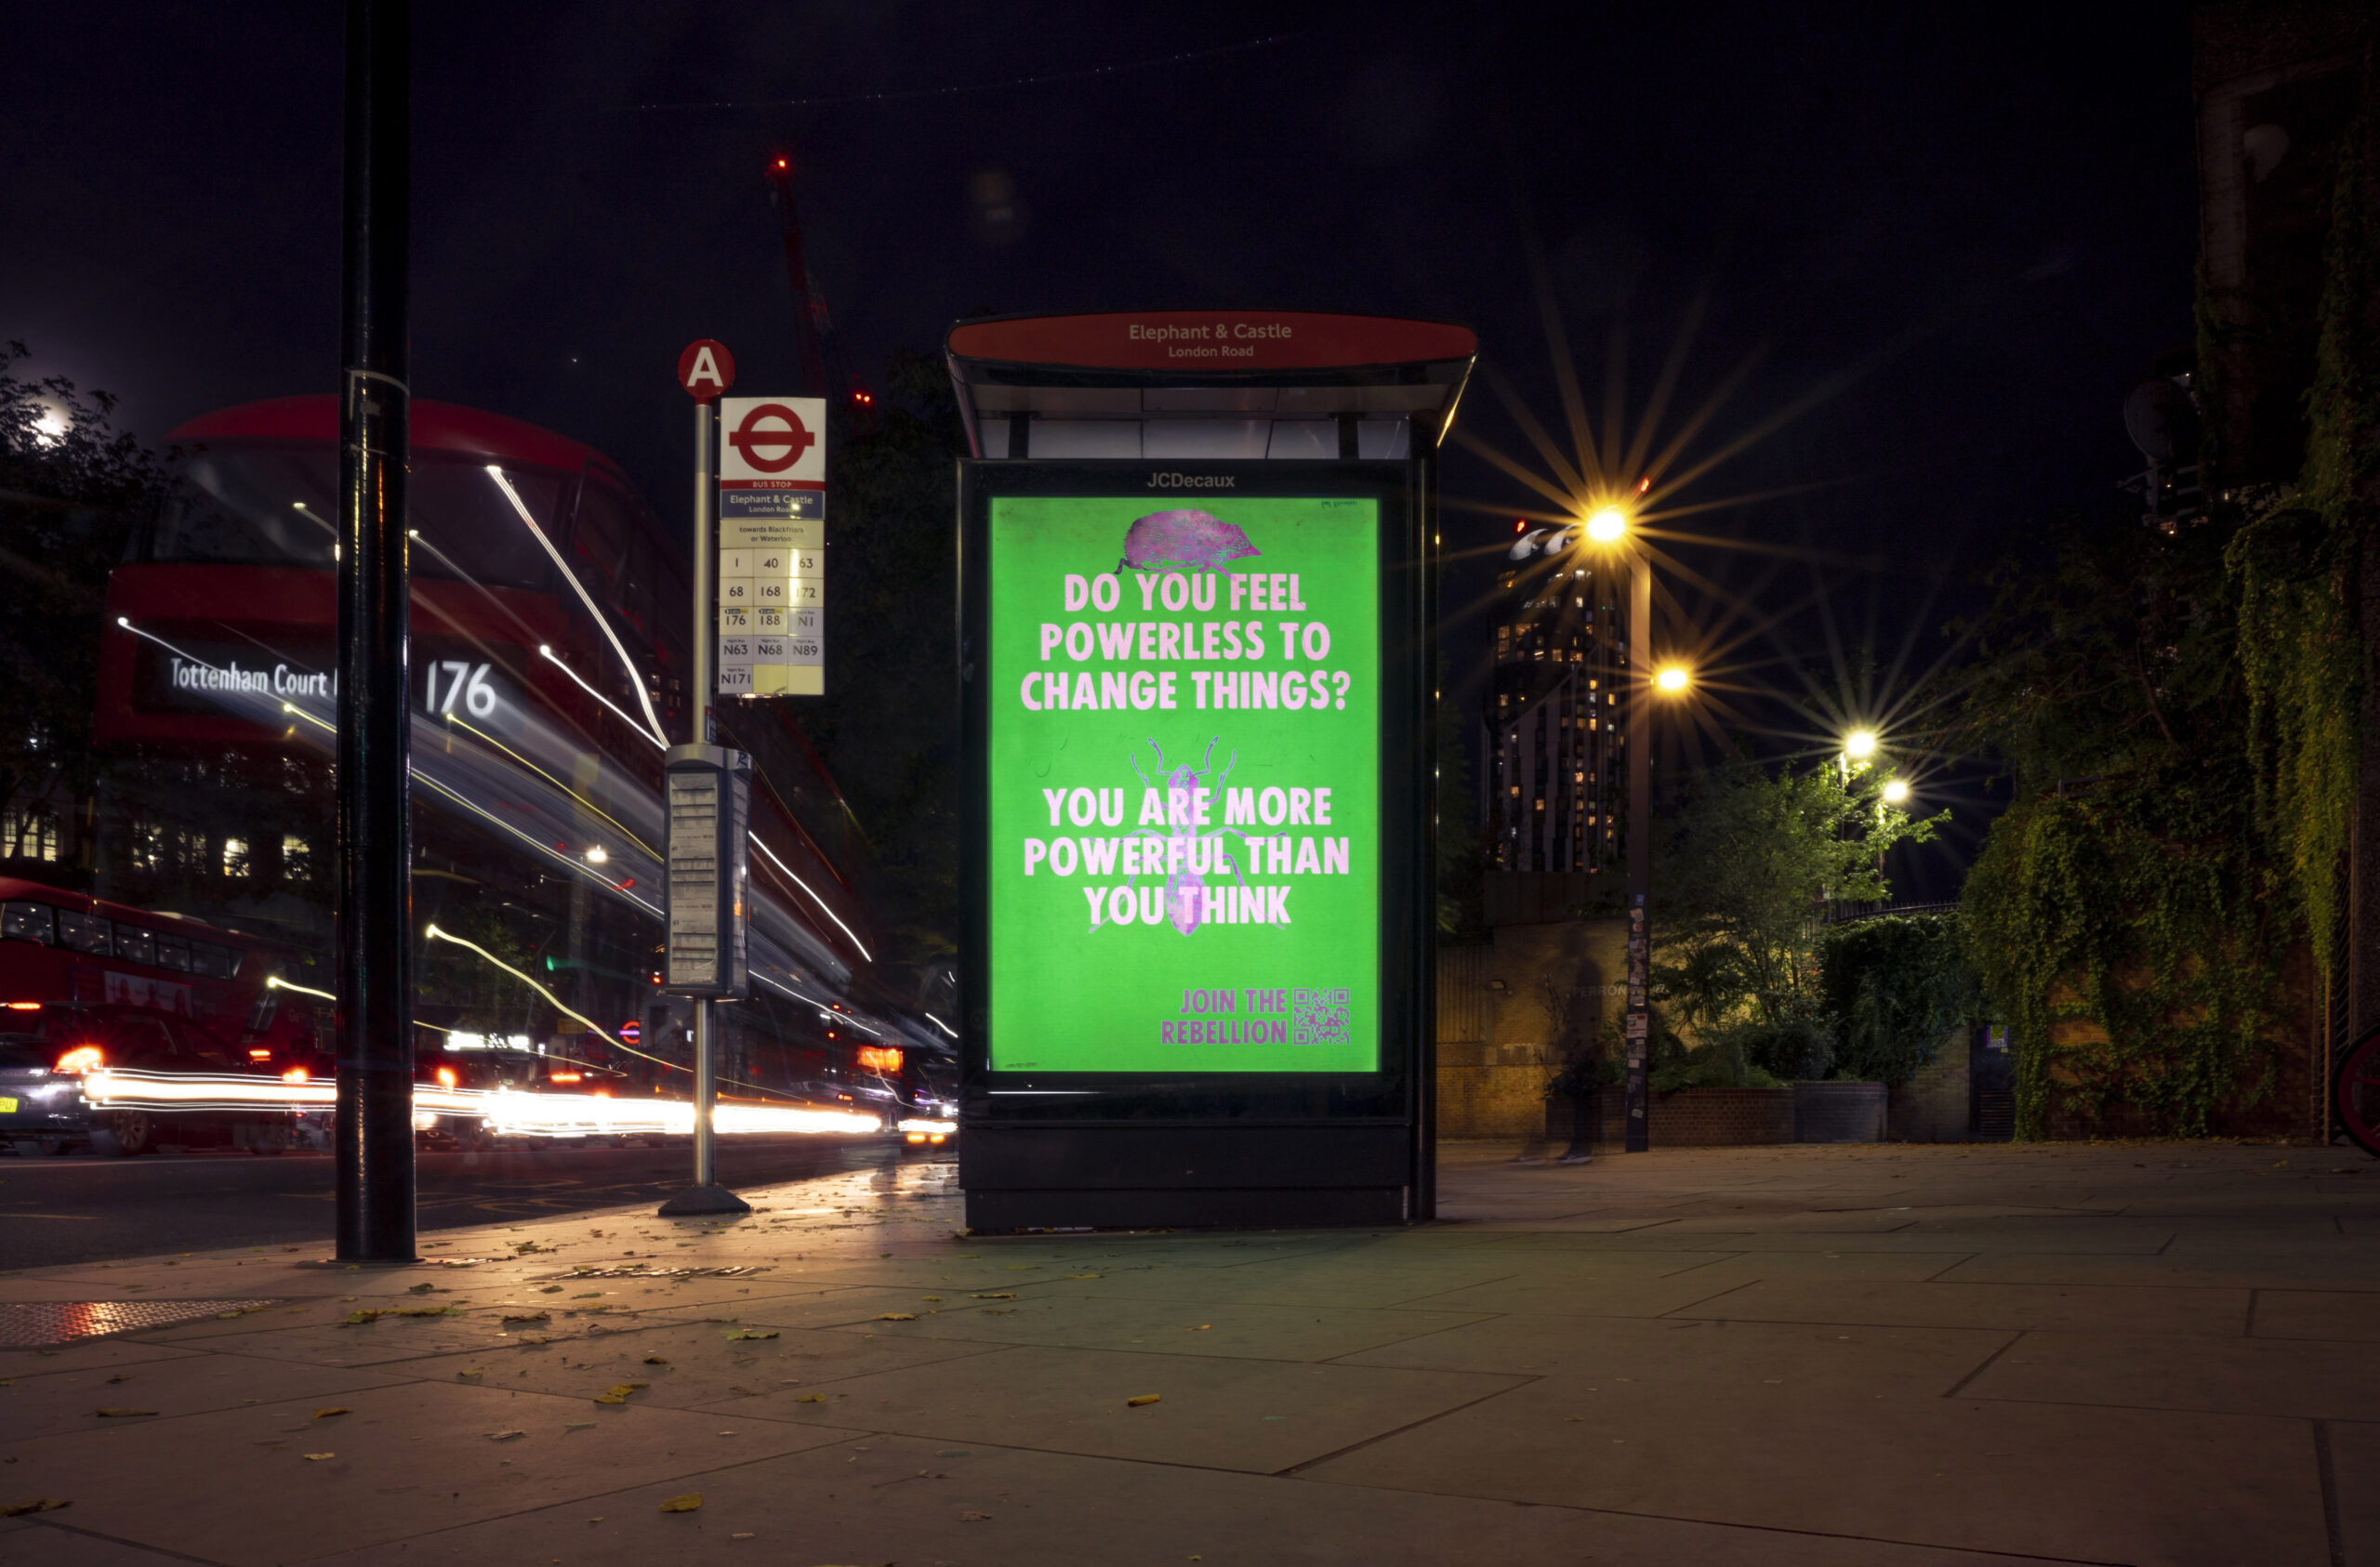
(1197, 579)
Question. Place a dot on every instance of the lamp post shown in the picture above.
(1609, 526)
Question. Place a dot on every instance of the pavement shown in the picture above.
(1946, 1356)
(90, 1208)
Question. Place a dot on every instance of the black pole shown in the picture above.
(374, 895)
(1640, 842)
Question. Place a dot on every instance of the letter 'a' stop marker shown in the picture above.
(705, 369)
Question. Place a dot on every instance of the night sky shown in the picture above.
(1976, 225)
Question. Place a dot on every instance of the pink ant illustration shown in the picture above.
(1192, 854)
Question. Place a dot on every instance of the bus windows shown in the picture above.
(465, 526)
(278, 505)
(256, 507)
(28, 922)
(211, 962)
(173, 953)
(135, 945)
(85, 933)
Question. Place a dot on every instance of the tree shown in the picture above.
(71, 487)
(888, 726)
(1891, 988)
(1750, 861)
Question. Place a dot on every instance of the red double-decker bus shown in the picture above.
(550, 626)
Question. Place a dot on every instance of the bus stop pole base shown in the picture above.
(702, 1200)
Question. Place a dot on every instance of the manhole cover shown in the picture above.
(641, 1272)
(32, 1325)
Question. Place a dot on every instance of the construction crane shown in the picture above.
(826, 372)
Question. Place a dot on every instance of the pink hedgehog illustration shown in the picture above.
(1184, 539)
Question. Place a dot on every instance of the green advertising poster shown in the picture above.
(1183, 772)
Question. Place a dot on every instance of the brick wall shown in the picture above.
(1496, 1045)
(1689, 1118)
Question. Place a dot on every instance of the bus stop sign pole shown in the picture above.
(706, 794)
(375, 893)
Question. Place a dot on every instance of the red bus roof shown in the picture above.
(13, 891)
(436, 427)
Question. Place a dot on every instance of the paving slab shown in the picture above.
(700, 1363)
(61, 1401)
(2313, 1380)
(2354, 1472)
(1620, 1354)
(1227, 1329)
(2202, 1491)
(2347, 1316)
(866, 1500)
(1211, 1413)
(239, 1486)
(2072, 1308)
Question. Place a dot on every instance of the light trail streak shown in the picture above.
(547, 654)
(505, 1111)
(275, 982)
(759, 844)
(636, 679)
(437, 935)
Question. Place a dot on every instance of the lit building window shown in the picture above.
(235, 857)
(30, 834)
(296, 856)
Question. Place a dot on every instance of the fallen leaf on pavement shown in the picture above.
(528, 1316)
(335, 1409)
(974, 1517)
(812, 1398)
(112, 1413)
(1009, 1295)
(356, 1319)
(1086, 1275)
(39, 1504)
(748, 1332)
(691, 1501)
(550, 1289)
(318, 1457)
(620, 1394)
(1203, 1328)
(420, 1289)
(897, 1316)
(505, 1436)
(656, 1360)
(1145, 1398)
(579, 1425)
(121, 1376)
(475, 1371)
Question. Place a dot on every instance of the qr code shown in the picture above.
(1320, 1015)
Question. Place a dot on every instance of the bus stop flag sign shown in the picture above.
(773, 547)
(705, 369)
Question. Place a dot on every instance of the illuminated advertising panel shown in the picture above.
(1182, 812)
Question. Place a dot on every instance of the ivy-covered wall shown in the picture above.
(2159, 913)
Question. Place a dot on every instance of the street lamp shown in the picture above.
(1608, 525)
(1858, 750)
(1895, 793)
